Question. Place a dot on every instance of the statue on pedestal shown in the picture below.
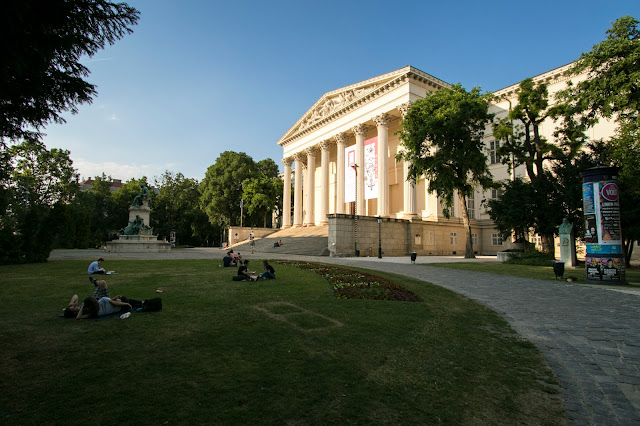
(567, 244)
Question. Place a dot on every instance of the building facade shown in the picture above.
(341, 156)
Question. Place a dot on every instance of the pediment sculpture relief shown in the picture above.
(333, 104)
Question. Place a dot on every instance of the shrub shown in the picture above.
(531, 256)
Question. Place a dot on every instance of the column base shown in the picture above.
(408, 215)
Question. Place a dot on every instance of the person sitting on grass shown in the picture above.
(243, 273)
(227, 260)
(96, 308)
(95, 268)
(269, 273)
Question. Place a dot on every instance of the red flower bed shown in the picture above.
(348, 284)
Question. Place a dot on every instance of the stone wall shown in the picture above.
(399, 237)
(238, 234)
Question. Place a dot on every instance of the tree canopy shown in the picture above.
(443, 139)
(40, 74)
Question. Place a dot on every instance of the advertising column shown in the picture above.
(604, 260)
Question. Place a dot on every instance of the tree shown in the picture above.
(612, 91)
(262, 198)
(442, 134)
(221, 188)
(522, 144)
(177, 207)
(40, 185)
(41, 75)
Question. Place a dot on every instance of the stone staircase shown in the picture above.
(310, 241)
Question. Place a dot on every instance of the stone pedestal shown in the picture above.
(144, 242)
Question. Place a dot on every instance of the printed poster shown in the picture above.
(370, 170)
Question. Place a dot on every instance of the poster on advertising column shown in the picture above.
(604, 260)
(370, 170)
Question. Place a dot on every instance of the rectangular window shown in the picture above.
(493, 151)
(471, 206)
(496, 240)
(474, 240)
(431, 237)
(453, 238)
(496, 193)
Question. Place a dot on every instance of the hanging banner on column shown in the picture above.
(604, 260)
(350, 174)
(370, 170)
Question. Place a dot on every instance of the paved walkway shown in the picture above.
(590, 335)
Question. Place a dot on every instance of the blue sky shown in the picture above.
(197, 78)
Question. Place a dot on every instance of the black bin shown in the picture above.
(414, 255)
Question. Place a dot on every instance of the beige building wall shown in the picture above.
(332, 124)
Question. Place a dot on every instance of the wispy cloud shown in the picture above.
(113, 117)
(123, 171)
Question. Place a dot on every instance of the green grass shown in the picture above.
(528, 271)
(273, 352)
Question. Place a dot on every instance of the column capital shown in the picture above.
(359, 129)
(287, 161)
(382, 120)
(311, 151)
(404, 108)
(340, 138)
(299, 157)
(325, 145)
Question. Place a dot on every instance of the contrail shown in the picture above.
(96, 60)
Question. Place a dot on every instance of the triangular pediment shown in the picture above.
(340, 100)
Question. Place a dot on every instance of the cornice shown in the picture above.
(557, 75)
(337, 103)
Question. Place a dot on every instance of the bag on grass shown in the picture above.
(152, 305)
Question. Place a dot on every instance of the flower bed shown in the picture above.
(349, 284)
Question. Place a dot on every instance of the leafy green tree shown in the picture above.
(612, 91)
(522, 144)
(177, 207)
(41, 75)
(40, 185)
(263, 197)
(222, 189)
(442, 134)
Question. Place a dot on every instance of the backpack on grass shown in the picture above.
(152, 305)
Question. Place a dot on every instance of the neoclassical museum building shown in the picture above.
(341, 158)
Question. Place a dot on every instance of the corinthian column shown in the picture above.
(340, 139)
(409, 187)
(324, 181)
(297, 187)
(359, 131)
(311, 186)
(382, 123)
(286, 194)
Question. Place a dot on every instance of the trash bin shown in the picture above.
(414, 255)
(558, 268)
(357, 253)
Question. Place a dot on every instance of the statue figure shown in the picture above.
(134, 227)
(138, 201)
(565, 227)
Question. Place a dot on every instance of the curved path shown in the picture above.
(590, 335)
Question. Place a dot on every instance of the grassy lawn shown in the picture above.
(537, 272)
(274, 352)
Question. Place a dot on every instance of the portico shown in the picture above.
(342, 151)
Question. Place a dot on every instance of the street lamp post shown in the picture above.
(379, 237)
(355, 228)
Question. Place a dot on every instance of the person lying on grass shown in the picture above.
(96, 308)
(101, 289)
(269, 273)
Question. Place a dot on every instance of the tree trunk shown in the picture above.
(547, 244)
(468, 249)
